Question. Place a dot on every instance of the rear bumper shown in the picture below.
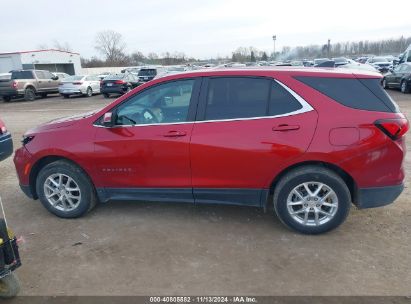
(10, 92)
(117, 90)
(378, 197)
(6, 146)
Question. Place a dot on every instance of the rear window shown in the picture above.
(73, 78)
(147, 72)
(114, 77)
(363, 94)
(22, 75)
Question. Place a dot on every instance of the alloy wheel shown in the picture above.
(312, 204)
(62, 192)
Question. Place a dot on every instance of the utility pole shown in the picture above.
(328, 48)
(274, 39)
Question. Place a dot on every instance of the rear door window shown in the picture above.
(40, 75)
(363, 94)
(237, 97)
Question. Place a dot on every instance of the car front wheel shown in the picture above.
(404, 87)
(312, 200)
(65, 190)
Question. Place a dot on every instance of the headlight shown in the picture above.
(26, 139)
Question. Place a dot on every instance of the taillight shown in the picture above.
(394, 128)
(14, 85)
(3, 130)
(119, 82)
(77, 83)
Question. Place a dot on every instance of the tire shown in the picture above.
(338, 200)
(81, 200)
(404, 87)
(385, 84)
(43, 95)
(106, 95)
(29, 94)
(6, 98)
(89, 92)
(9, 286)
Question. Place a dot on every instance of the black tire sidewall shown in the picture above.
(27, 94)
(343, 195)
(89, 92)
(78, 176)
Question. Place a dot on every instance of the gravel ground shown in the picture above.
(168, 249)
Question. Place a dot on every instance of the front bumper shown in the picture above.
(378, 197)
(6, 146)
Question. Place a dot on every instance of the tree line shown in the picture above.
(112, 48)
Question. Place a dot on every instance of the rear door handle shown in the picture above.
(175, 134)
(283, 128)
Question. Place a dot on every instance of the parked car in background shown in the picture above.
(149, 73)
(380, 63)
(359, 66)
(399, 78)
(233, 136)
(103, 75)
(28, 84)
(132, 70)
(118, 84)
(340, 61)
(85, 85)
(320, 60)
(6, 142)
(61, 75)
(5, 76)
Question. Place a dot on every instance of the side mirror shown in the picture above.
(108, 119)
(55, 78)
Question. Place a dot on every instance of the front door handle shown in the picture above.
(175, 134)
(284, 127)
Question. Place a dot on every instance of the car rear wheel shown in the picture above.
(106, 95)
(312, 200)
(6, 98)
(65, 96)
(89, 92)
(43, 95)
(65, 190)
(404, 87)
(29, 94)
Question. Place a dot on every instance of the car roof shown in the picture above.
(272, 71)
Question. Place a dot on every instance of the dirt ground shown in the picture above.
(176, 249)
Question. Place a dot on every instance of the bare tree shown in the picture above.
(110, 44)
(62, 46)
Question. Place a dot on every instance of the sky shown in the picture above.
(199, 28)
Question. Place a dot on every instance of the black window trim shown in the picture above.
(192, 110)
(200, 118)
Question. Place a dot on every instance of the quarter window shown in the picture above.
(281, 101)
(165, 103)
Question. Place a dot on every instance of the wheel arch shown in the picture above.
(347, 178)
(44, 161)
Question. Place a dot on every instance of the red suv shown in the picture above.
(308, 142)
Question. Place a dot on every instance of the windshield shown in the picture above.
(147, 72)
(379, 59)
